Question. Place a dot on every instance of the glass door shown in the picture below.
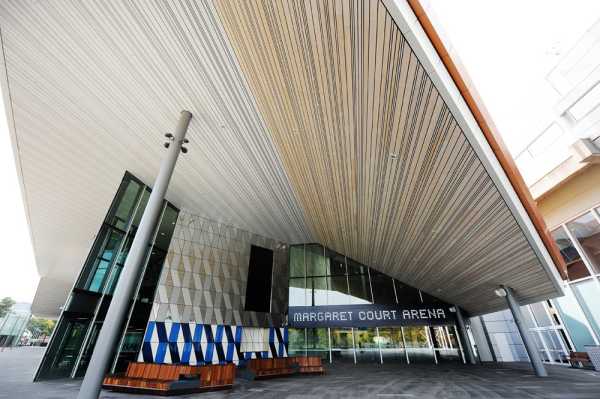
(366, 346)
(392, 345)
(417, 345)
(342, 347)
(445, 344)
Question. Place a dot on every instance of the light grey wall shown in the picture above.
(205, 274)
(505, 338)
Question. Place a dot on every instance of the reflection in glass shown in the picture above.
(574, 320)
(360, 290)
(588, 294)
(417, 344)
(298, 294)
(586, 230)
(392, 345)
(406, 294)
(338, 291)
(317, 343)
(366, 346)
(445, 343)
(297, 261)
(575, 267)
(296, 342)
(342, 348)
(319, 290)
(337, 263)
(383, 288)
(316, 262)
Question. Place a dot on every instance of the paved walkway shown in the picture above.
(360, 381)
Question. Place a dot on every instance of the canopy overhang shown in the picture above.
(340, 122)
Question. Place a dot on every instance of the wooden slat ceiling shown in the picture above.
(313, 121)
(380, 166)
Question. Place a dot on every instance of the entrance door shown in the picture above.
(342, 348)
(366, 346)
(445, 344)
(417, 344)
(392, 345)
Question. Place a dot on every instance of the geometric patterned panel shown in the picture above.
(199, 344)
(205, 274)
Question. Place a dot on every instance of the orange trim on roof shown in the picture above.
(490, 131)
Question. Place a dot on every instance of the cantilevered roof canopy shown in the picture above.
(314, 121)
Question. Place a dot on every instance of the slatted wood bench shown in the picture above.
(308, 364)
(580, 359)
(269, 368)
(171, 379)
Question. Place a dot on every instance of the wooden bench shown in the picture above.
(580, 359)
(171, 379)
(308, 364)
(269, 368)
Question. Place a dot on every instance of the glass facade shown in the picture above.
(72, 343)
(319, 276)
(571, 322)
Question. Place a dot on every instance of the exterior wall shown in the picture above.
(198, 312)
(504, 337)
(577, 195)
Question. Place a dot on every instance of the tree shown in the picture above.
(38, 326)
(5, 304)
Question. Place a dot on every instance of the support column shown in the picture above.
(109, 333)
(534, 355)
(464, 336)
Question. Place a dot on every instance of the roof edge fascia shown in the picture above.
(465, 104)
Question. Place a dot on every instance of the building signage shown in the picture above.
(369, 315)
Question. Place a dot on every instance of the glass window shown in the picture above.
(417, 344)
(337, 264)
(297, 261)
(342, 348)
(586, 230)
(366, 347)
(141, 207)
(296, 341)
(126, 205)
(338, 291)
(316, 262)
(355, 267)
(360, 291)
(319, 290)
(540, 315)
(298, 293)
(165, 230)
(574, 320)
(575, 267)
(317, 342)
(392, 345)
(383, 288)
(406, 294)
(588, 294)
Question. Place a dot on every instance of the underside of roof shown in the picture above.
(314, 121)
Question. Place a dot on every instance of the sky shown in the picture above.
(507, 46)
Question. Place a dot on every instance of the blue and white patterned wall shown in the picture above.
(198, 344)
(198, 311)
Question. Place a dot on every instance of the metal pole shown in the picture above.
(534, 355)
(109, 333)
(464, 336)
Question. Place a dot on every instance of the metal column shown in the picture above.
(109, 333)
(464, 336)
(534, 355)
